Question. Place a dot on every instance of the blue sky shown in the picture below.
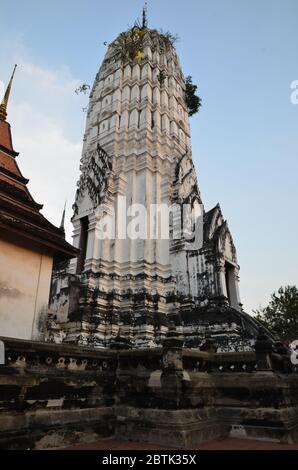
(243, 56)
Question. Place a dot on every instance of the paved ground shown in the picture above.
(221, 444)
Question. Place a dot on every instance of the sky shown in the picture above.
(243, 56)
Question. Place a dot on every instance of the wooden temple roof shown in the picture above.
(19, 213)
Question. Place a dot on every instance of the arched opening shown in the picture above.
(84, 221)
(231, 288)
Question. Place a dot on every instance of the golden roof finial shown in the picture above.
(3, 105)
(63, 218)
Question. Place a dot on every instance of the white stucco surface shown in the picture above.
(25, 277)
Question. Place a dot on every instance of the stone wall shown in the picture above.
(53, 395)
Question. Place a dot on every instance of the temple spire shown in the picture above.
(144, 17)
(3, 105)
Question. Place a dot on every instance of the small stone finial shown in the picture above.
(63, 219)
(144, 17)
(4, 103)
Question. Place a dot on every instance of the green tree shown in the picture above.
(193, 101)
(281, 314)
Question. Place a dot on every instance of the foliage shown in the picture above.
(161, 76)
(130, 44)
(281, 314)
(193, 101)
(82, 89)
(167, 40)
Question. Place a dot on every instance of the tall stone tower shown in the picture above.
(131, 279)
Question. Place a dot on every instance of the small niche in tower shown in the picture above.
(152, 120)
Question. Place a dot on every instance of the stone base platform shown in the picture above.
(218, 444)
(55, 395)
(178, 428)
